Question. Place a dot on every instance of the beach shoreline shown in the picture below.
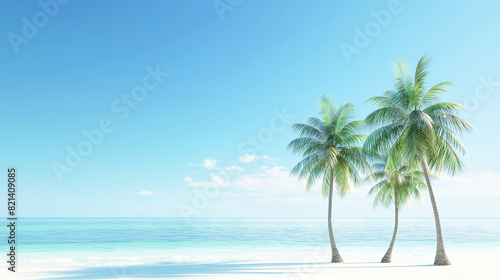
(248, 248)
(467, 263)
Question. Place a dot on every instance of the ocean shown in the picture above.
(58, 238)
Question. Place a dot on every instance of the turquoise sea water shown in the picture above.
(56, 237)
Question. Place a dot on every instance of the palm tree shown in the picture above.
(414, 126)
(395, 186)
(330, 151)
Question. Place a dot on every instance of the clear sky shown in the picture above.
(238, 76)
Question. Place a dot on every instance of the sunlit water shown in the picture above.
(69, 238)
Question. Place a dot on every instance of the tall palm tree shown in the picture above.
(415, 124)
(330, 151)
(395, 186)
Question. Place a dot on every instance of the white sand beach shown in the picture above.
(467, 263)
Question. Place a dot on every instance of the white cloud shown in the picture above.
(270, 183)
(251, 158)
(193, 183)
(485, 184)
(209, 163)
(234, 168)
(143, 192)
(214, 179)
(275, 180)
(247, 158)
(219, 181)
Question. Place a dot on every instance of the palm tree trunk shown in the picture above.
(441, 258)
(388, 255)
(336, 258)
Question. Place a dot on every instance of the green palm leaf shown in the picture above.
(414, 128)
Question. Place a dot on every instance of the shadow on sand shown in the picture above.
(191, 269)
(177, 269)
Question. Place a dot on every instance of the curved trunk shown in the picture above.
(388, 255)
(441, 258)
(335, 252)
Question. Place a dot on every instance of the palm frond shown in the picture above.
(330, 149)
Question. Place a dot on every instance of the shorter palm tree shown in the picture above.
(395, 187)
(331, 152)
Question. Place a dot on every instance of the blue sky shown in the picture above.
(238, 77)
